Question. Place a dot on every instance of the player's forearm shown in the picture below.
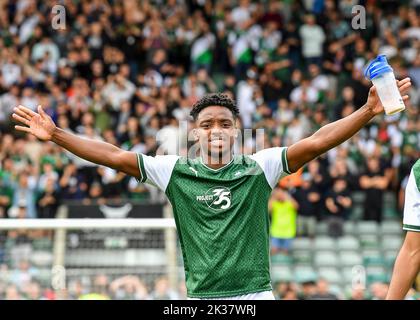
(335, 133)
(405, 270)
(98, 152)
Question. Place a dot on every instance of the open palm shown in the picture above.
(39, 124)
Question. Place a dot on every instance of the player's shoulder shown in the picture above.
(187, 162)
(272, 155)
(158, 159)
(269, 153)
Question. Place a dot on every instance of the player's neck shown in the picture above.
(216, 162)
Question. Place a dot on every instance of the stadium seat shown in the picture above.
(281, 259)
(324, 243)
(332, 275)
(356, 213)
(377, 274)
(281, 273)
(325, 259)
(369, 241)
(42, 244)
(43, 276)
(41, 258)
(358, 197)
(371, 254)
(348, 243)
(390, 257)
(367, 227)
(374, 261)
(302, 243)
(302, 256)
(304, 273)
(348, 275)
(349, 227)
(321, 228)
(337, 290)
(391, 227)
(390, 206)
(391, 243)
(350, 258)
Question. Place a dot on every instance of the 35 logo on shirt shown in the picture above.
(217, 198)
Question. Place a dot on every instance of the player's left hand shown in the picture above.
(374, 103)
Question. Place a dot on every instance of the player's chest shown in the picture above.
(215, 193)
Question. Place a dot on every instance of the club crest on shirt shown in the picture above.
(217, 198)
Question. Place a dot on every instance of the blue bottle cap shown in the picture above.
(377, 67)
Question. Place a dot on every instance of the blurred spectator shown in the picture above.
(100, 289)
(48, 201)
(25, 273)
(312, 37)
(283, 209)
(202, 48)
(308, 197)
(323, 292)
(308, 289)
(378, 290)
(75, 290)
(129, 288)
(12, 293)
(24, 193)
(338, 202)
(286, 291)
(6, 196)
(373, 182)
(112, 181)
(32, 291)
(162, 290)
(72, 184)
(305, 93)
(358, 292)
(290, 294)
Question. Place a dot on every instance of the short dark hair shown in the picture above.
(214, 99)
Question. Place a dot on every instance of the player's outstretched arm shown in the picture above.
(406, 267)
(41, 126)
(335, 133)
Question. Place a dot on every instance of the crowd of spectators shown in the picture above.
(127, 72)
(24, 286)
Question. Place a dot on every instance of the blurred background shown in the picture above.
(128, 72)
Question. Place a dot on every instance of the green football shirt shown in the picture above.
(221, 217)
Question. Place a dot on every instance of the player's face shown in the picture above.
(216, 131)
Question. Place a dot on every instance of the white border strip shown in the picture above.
(159, 223)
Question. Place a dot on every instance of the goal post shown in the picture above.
(80, 249)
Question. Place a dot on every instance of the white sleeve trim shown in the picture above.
(156, 170)
(273, 162)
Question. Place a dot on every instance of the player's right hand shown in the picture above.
(39, 124)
